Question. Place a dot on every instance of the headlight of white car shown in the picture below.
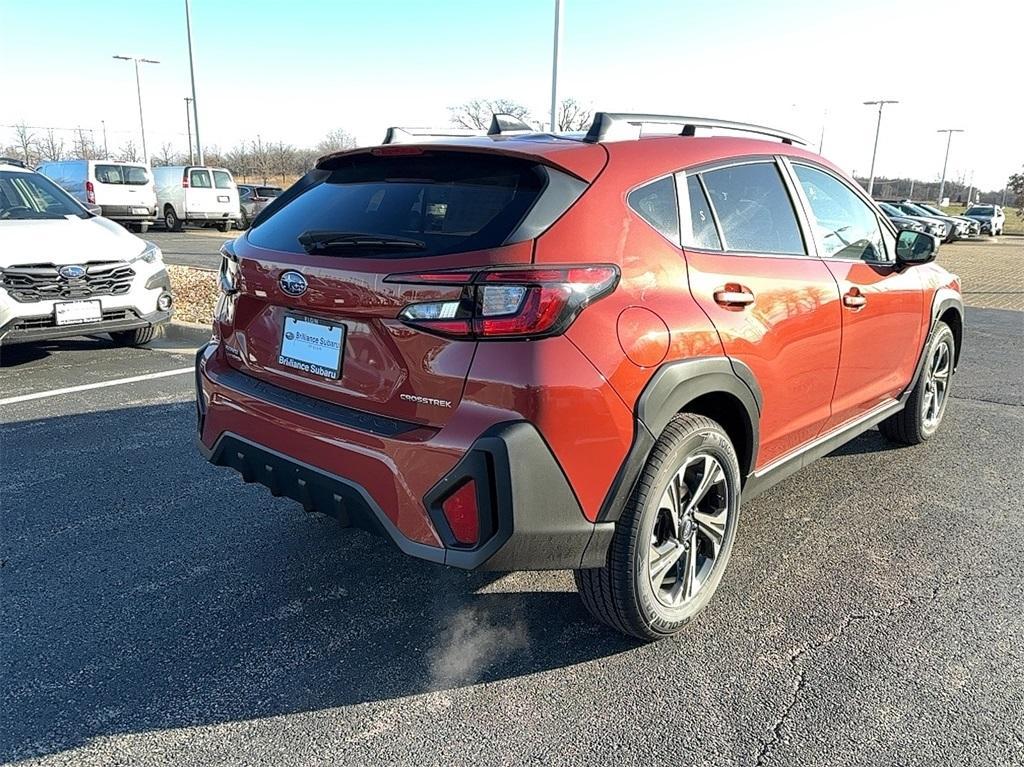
(150, 254)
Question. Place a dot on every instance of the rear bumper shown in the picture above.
(29, 329)
(124, 213)
(191, 215)
(390, 480)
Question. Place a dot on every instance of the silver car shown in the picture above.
(252, 199)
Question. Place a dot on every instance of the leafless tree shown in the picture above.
(337, 140)
(83, 146)
(51, 147)
(476, 113)
(165, 155)
(127, 152)
(260, 159)
(573, 116)
(25, 140)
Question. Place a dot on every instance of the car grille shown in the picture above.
(49, 321)
(28, 283)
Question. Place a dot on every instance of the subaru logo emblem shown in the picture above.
(73, 272)
(293, 283)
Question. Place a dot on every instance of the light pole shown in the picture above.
(192, 74)
(138, 89)
(878, 129)
(554, 65)
(188, 129)
(945, 163)
(106, 150)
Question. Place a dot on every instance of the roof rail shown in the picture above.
(396, 135)
(13, 161)
(503, 124)
(617, 126)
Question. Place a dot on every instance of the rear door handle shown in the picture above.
(734, 296)
(854, 300)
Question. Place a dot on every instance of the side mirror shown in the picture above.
(915, 248)
(93, 208)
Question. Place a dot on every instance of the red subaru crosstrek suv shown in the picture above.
(531, 351)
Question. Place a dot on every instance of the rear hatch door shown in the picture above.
(392, 214)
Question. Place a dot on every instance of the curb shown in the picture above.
(190, 333)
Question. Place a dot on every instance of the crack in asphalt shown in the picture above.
(800, 675)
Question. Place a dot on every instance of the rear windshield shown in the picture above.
(451, 203)
(268, 191)
(222, 179)
(200, 179)
(130, 175)
(983, 210)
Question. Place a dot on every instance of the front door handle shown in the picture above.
(854, 299)
(734, 296)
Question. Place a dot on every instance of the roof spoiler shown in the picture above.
(620, 126)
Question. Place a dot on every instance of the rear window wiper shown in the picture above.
(319, 241)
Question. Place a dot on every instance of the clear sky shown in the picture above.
(294, 69)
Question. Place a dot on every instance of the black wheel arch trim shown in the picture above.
(672, 387)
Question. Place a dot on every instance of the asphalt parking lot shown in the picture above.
(156, 610)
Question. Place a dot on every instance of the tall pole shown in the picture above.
(911, 195)
(106, 150)
(192, 73)
(970, 188)
(821, 138)
(188, 129)
(878, 129)
(138, 90)
(945, 163)
(554, 65)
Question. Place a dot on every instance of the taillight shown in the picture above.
(90, 192)
(508, 302)
(184, 180)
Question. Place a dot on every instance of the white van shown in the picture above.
(123, 190)
(194, 194)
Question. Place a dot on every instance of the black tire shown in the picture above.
(143, 228)
(918, 420)
(243, 221)
(623, 594)
(137, 337)
(171, 220)
(224, 226)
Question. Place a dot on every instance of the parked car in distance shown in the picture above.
(970, 226)
(66, 271)
(253, 198)
(123, 190)
(196, 195)
(416, 339)
(991, 218)
(902, 221)
(949, 224)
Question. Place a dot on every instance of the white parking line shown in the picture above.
(100, 385)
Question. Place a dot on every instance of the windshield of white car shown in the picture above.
(30, 196)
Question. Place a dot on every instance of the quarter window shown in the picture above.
(754, 209)
(656, 204)
(847, 227)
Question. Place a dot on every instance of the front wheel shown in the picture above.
(171, 220)
(921, 416)
(672, 543)
(137, 337)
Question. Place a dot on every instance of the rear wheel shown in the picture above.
(926, 405)
(171, 220)
(224, 226)
(243, 222)
(137, 337)
(673, 540)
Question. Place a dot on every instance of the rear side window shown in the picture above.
(130, 175)
(702, 233)
(200, 179)
(656, 204)
(222, 179)
(846, 225)
(268, 191)
(754, 209)
(445, 202)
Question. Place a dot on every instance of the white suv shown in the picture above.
(65, 271)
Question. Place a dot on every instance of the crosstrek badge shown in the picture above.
(425, 400)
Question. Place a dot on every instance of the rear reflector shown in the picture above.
(508, 302)
(463, 517)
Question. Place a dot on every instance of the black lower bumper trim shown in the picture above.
(12, 334)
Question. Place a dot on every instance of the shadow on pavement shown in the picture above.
(144, 589)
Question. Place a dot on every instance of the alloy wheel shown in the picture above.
(689, 530)
(936, 385)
